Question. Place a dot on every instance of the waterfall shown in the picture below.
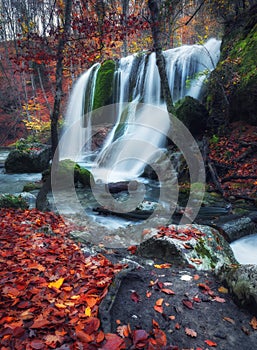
(78, 107)
(137, 130)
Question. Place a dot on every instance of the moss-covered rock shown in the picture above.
(34, 159)
(233, 84)
(12, 201)
(67, 167)
(104, 84)
(193, 114)
(209, 251)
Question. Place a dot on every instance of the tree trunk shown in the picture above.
(154, 7)
(59, 76)
(41, 202)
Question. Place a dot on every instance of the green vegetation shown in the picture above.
(67, 166)
(11, 201)
(104, 84)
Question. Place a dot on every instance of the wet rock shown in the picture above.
(233, 228)
(242, 282)
(208, 251)
(32, 160)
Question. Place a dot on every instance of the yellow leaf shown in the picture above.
(88, 311)
(60, 306)
(56, 284)
(162, 266)
(223, 290)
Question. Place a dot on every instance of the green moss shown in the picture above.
(67, 166)
(204, 252)
(31, 186)
(11, 201)
(104, 84)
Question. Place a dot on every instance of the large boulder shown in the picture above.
(197, 245)
(232, 85)
(33, 159)
(241, 281)
(193, 114)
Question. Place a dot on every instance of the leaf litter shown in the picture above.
(51, 292)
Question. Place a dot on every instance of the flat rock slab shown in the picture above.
(195, 303)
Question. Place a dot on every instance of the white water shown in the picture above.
(125, 156)
(74, 116)
(245, 249)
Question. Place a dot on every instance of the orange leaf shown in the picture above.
(253, 323)
(158, 309)
(84, 337)
(210, 342)
(159, 302)
(155, 324)
(167, 291)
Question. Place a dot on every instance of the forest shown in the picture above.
(86, 260)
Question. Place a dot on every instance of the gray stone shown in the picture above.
(34, 160)
(242, 282)
(208, 251)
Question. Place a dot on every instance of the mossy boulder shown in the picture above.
(233, 84)
(104, 84)
(33, 159)
(67, 167)
(12, 201)
(207, 250)
(193, 114)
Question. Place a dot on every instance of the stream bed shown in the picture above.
(245, 249)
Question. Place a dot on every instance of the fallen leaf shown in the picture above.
(40, 322)
(190, 332)
(160, 337)
(228, 319)
(155, 324)
(167, 291)
(162, 266)
(37, 344)
(223, 290)
(123, 331)
(148, 294)
(188, 303)
(177, 326)
(158, 309)
(140, 338)
(132, 249)
(88, 311)
(159, 302)
(253, 323)
(56, 284)
(219, 300)
(135, 297)
(210, 343)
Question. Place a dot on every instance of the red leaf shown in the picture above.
(40, 322)
(210, 343)
(160, 337)
(37, 344)
(113, 341)
(188, 303)
(140, 337)
(135, 297)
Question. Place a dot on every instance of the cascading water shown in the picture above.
(137, 81)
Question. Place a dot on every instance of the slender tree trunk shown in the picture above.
(154, 7)
(59, 76)
(41, 202)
